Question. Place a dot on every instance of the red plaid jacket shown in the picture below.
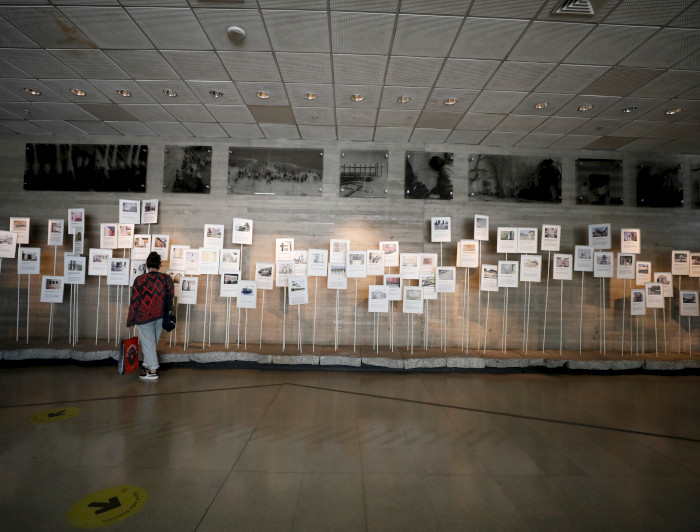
(149, 298)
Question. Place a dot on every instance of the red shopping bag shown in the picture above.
(129, 356)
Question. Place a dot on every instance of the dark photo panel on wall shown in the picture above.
(83, 167)
(429, 175)
(275, 171)
(599, 181)
(187, 169)
(514, 178)
(659, 185)
(364, 174)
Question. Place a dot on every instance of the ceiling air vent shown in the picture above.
(574, 7)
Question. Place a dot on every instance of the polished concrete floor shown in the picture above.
(235, 449)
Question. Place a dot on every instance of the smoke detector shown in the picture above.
(236, 33)
(574, 7)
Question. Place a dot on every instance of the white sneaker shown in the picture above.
(148, 376)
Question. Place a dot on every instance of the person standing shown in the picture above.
(151, 297)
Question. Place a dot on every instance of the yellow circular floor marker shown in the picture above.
(55, 414)
(107, 506)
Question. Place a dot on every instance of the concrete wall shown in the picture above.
(312, 221)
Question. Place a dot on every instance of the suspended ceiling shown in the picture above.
(496, 58)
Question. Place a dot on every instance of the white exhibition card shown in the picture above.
(427, 262)
(177, 257)
(625, 265)
(138, 267)
(680, 262)
(599, 236)
(531, 268)
(654, 295)
(391, 253)
(76, 220)
(265, 275)
(78, 241)
(149, 211)
(229, 260)
(285, 270)
(129, 211)
(108, 236)
(125, 236)
(603, 265)
(29, 262)
(563, 267)
(489, 278)
(55, 233)
(229, 284)
(337, 278)
(394, 285)
(695, 264)
(481, 227)
(74, 269)
(689, 303)
(192, 257)
(318, 263)
(284, 248)
(409, 268)
(445, 279)
(51, 289)
(213, 236)
(356, 267)
(208, 261)
(378, 299)
(142, 247)
(630, 241)
(441, 229)
(665, 279)
(339, 248)
(527, 240)
(643, 274)
(468, 254)
(638, 306)
(301, 262)
(551, 237)
(375, 262)
(98, 261)
(298, 290)
(242, 231)
(8, 245)
(508, 274)
(188, 291)
(412, 300)
(427, 283)
(161, 245)
(583, 259)
(247, 294)
(119, 271)
(506, 242)
(21, 227)
(176, 276)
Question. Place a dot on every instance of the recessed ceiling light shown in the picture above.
(310, 96)
(123, 92)
(78, 92)
(450, 101)
(262, 95)
(541, 105)
(673, 111)
(31, 91)
(357, 97)
(630, 109)
(585, 107)
(169, 93)
(216, 94)
(403, 99)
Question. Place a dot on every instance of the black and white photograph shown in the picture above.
(52, 289)
(284, 248)
(638, 304)
(680, 263)
(583, 258)
(441, 229)
(378, 299)
(285, 270)
(317, 263)
(599, 236)
(665, 279)
(213, 236)
(489, 278)
(625, 266)
(689, 303)
(506, 242)
(247, 294)
(445, 279)
(514, 178)
(242, 231)
(599, 182)
(229, 260)
(188, 291)
(643, 274)
(98, 261)
(429, 175)
(229, 285)
(630, 240)
(149, 211)
(603, 265)
(275, 171)
(264, 275)
(507, 274)
(337, 278)
(298, 290)
(187, 169)
(119, 272)
(659, 185)
(481, 227)
(29, 262)
(129, 211)
(84, 167)
(364, 174)
(654, 295)
(8, 244)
